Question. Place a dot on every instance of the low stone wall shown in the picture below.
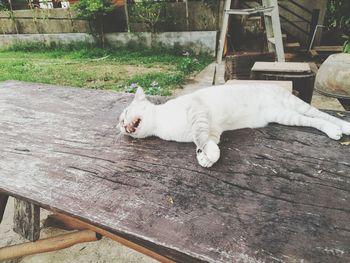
(64, 38)
(195, 41)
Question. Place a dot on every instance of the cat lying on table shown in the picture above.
(202, 116)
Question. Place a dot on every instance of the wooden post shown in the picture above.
(48, 244)
(221, 42)
(126, 16)
(187, 19)
(3, 202)
(26, 220)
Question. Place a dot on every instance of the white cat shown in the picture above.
(202, 116)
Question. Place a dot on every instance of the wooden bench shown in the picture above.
(278, 194)
(301, 74)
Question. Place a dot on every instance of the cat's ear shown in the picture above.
(139, 95)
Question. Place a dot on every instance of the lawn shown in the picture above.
(157, 71)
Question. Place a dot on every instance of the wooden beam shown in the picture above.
(313, 53)
(328, 48)
(73, 223)
(3, 202)
(26, 220)
(48, 244)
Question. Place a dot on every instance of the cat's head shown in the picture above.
(136, 119)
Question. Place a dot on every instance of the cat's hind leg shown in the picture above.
(208, 151)
(310, 111)
(292, 118)
(315, 113)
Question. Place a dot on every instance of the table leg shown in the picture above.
(345, 103)
(3, 202)
(27, 220)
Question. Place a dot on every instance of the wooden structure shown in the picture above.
(48, 244)
(239, 65)
(301, 74)
(272, 24)
(277, 193)
(299, 18)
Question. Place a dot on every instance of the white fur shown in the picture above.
(202, 116)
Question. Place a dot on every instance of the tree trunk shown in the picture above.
(126, 15)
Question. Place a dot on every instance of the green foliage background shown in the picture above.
(147, 12)
(338, 15)
(93, 9)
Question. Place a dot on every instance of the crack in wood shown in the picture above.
(86, 156)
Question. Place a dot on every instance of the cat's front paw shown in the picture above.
(209, 155)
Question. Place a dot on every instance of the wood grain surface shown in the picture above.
(3, 203)
(26, 220)
(278, 194)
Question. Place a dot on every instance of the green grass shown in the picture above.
(80, 65)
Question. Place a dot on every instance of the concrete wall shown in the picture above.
(195, 41)
(63, 38)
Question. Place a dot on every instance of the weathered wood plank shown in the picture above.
(26, 220)
(278, 194)
(328, 48)
(3, 202)
(281, 66)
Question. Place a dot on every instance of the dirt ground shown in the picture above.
(105, 250)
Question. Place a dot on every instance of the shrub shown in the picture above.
(95, 11)
(147, 12)
(338, 15)
(346, 46)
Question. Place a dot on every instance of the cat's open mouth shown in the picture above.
(132, 126)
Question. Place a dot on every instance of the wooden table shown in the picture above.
(278, 194)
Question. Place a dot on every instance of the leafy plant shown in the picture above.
(213, 4)
(3, 5)
(346, 46)
(338, 15)
(147, 12)
(95, 11)
(188, 65)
